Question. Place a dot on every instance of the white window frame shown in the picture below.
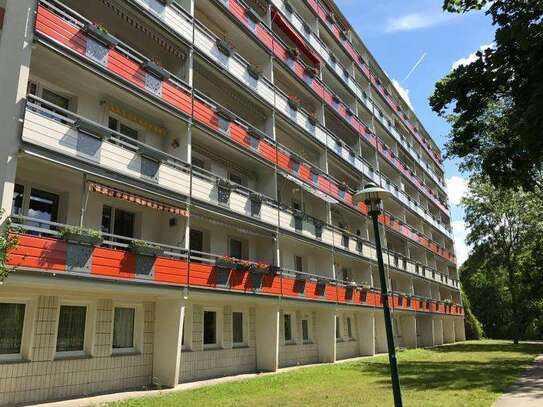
(304, 265)
(351, 337)
(27, 337)
(292, 339)
(309, 319)
(339, 328)
(28, 186)
(51, 87)
(138, 328)
(245, 327)
(244, 247)
(90, 323)
(218, 328)
(128, 123)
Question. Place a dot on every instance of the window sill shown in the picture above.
(240, 346)
(125, 353)
(13, 360)
(72, 357)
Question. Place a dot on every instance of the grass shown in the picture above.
(469, 374)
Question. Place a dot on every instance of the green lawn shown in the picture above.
(467, 374)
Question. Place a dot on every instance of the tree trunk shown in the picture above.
(517, 331)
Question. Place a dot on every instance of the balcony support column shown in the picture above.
(15, 53)
(326, 335)
(169, 317)
(409, 330)
(366, 333)
(267, 338)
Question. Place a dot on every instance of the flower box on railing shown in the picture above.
(293, 52)
(331, 18)
(311, 71)
(225, 113)
(156, 70)
(349, 111)
(318, 228)
(312, 118)
(288, 6)
(256, 203)
(144, 248)
(333, 58)
(83, 236)
(92, 129)
(301, 277)
(224, 46)
(254, 71)
(252, 15)
(165, 2)
(294, 102)
(226, 263)
(152, 153)
(224, 189)
(101, 34)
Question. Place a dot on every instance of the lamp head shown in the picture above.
(372, 195)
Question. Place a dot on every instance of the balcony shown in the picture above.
(46, 247)
(121, 63)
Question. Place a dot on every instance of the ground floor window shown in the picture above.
(237, 328)
(305, 330)
(11, 327)
(123, 328)
(210, 328)
(349, 327)
(287, 320)
(338, 328)
(71, 328)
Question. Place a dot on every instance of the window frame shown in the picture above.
(309, 319)
(27, 337)
(339, 331)
(218, 328)
(41, 84)
(244, 247)
(138, 328)
(141, 135)
(114, 209)
(27, 192)
(292, 319)
(349, 325)
(88, 333)
(244, 325)
(302, 263)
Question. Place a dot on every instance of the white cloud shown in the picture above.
(460, 234)
(404, 93)
(416, 21)
(471, 57)
(456, 189)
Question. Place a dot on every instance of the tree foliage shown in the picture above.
(502, 276)
(494, 104)
(8, 241)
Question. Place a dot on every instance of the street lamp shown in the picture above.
(373, 196)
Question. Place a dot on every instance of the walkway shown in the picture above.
(528, 391)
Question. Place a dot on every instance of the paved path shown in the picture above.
(528, 391)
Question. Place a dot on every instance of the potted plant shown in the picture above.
(226, 262)
(252, 15)
(224, 113)
(293, 52)
(89, 237)
(311, 71)
(312, 118)
(154, 68)
(288, 6)
(294, 102)
(224, 188)
(224, 46)
(273, 270)
(254, 71)
(331, 17)
(333, 59)
(144, 248)
(101, 34)
(318, 227)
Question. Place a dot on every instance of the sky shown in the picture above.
(399, 34)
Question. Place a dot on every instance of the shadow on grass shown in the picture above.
(467, 373)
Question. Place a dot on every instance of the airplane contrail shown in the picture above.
(415, 66)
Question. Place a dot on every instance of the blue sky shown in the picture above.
(398, 33)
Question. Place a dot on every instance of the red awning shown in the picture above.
(136, 199)
(295, 37)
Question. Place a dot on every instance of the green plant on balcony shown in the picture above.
(144, 248)
(81, 235)
(9, 240)
(294, 102)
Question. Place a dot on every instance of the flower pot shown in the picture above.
(83, 239)
(224, 47)
(144, 249)
(223, 263)
(254, 71)
(101, 35)
(156, 70)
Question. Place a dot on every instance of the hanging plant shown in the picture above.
(294, 102)
(293, 52)
(9, 240)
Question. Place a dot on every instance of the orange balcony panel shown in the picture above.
(39, 253)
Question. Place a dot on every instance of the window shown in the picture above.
(287, 320)
(71, 328)
(117, 221)
(18, 195)
(338, 331)
(117, 125)
(196, 240)
(210, 328)
(346, 275)
(235, 249)
(123, 328)
(305, 330)
(198, 162)
(349, 327)
(55, 98)
(11, 328)
(237, 328)
(43, 206)
(298, 263)
(235, 178)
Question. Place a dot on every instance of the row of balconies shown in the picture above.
(341, 38)
(118, 63)
(179, 21)
(303, 72)
(73, 136)
(54, 248)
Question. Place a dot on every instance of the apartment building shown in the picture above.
(180, 176)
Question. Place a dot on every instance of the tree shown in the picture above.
(506, 232)
(8, 241)
(494, 104)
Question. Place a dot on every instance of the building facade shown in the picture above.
(180, 177)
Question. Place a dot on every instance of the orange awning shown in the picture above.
(136, 199)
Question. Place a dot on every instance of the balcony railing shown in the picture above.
(206, 42)
(64, 132)
(56, 26)
(364, 68)
(44, 247)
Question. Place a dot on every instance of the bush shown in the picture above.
(474, 329)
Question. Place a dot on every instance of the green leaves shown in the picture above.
(8, 241)
(494, 104)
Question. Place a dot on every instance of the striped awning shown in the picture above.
(136, 199)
